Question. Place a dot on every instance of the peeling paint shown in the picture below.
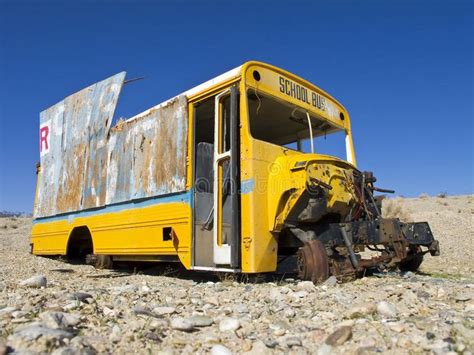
(90, 164)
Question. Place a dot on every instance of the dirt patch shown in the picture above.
(165, 308)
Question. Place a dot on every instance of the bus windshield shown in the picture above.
(278, 122)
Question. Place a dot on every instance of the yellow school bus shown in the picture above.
(228, 176)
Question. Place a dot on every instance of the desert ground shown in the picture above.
(83, 310)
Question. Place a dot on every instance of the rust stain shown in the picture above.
(91, 164)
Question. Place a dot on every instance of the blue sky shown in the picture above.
(403, 69)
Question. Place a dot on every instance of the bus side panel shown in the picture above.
(128, 231)
(259, 247)
(50, 238)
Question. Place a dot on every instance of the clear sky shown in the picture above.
(403, 69)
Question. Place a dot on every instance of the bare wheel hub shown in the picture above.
(313, 262)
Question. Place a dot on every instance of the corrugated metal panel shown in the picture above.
(86, 164)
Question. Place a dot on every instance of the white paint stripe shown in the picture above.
(218, 79)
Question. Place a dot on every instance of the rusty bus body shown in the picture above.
(208, 179)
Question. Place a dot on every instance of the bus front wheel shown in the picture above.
(312, 262)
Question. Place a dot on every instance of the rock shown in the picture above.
(182, 324)
(280, 324)
(3, 348)
(246, 346)
(229, 325)
(124, 289)
(139, 310)
(158, 324)
(69, 350)
(8, 310)
(275, 295)
(289, 312)
(422, 294)
(270, 342)
(259, 348)
(153, 336)
(360, 311)
(331, 281)
(368, 342)
(79, 296)
(212, 300)
(386, 309)
(241, 308)
(59, 320)
(305, 286)
(279, 332)
(441, 293)
(219, 349)
(19, 314)
(108, 312)
(116, 334)
(292, 341)
(34, 281)
(466, 334)
(35, 331)
(325, 349)
(469, 307)
(300, 294)
(397, 327)
(161, 311)
(462, 297)
(201, 321)
(340, 336)
(317, 335)
(440, 347)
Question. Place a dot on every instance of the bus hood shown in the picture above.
(304, 188)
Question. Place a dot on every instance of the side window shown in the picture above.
(225, 128)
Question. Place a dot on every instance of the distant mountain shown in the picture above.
(14, 214)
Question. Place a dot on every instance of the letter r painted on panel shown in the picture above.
(44, 134)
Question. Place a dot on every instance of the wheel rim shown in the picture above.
(305, 263)
(312, 262)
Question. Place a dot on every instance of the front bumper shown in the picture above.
(396, 242)
(381, 231)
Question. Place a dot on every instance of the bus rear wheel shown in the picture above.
(312, 262)
(100, 261)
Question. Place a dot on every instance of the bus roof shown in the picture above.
(229, 76)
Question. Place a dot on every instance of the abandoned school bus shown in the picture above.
(228, 176)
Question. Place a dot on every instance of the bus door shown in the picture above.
(217, 183)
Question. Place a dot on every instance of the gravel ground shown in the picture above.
(168, 310)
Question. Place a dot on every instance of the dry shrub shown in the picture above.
(226, 277)
(393, 208)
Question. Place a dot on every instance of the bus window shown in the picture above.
(284, 124)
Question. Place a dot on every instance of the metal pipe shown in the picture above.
(373, 201)
(132, 80)
(310, 132)
(382, 190)
(347, 242)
